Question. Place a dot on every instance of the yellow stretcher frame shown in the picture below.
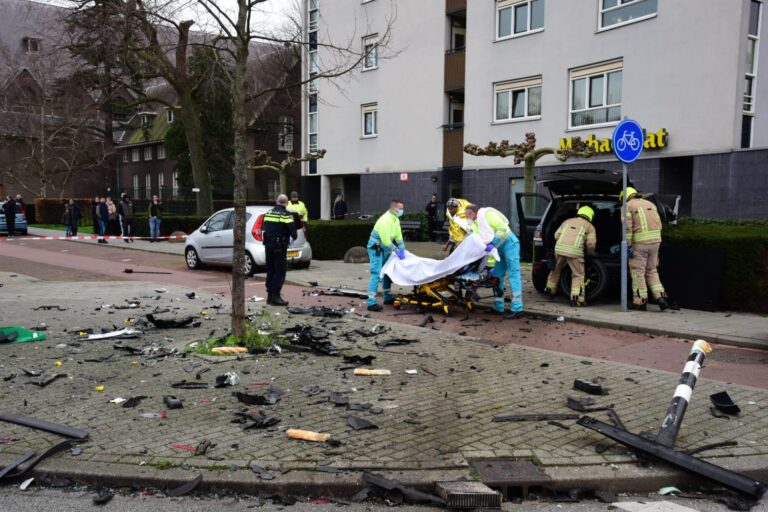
(435, 295)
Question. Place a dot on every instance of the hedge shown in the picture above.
(169, 224)
(50, 211)
(331, 239)
(745, 245)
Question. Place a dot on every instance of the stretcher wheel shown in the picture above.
(447, 310)
(397, 304)
(469, 306)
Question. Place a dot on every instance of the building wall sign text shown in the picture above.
(653, 140)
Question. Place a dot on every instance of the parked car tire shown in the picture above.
(301, 264)
(23, 232)
(539, 279)
(596, 276)
(250, 265)
(192, 259)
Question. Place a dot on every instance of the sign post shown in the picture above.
(627, 145)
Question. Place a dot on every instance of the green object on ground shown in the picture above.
(20, 335)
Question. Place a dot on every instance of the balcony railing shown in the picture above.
(453, 145)
(454, 70)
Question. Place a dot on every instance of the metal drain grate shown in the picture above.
(468, 494)
(514, 478)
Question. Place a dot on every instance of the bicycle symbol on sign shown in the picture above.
(628, 139)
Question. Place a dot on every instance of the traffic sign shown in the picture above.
(628, 140)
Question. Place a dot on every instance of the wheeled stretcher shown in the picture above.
(449, 285)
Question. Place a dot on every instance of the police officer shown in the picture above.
(279, 229)
(643, 239)
(573, 237)
(386, 238)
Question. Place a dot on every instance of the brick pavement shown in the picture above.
(428, 422)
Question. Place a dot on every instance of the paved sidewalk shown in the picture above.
(730, 328)
(431, 425)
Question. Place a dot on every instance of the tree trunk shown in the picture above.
(240, 146)
(283, 173)
(194, 134)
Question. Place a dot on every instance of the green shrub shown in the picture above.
(168, 224)
(745, 245)
(423, 233)
(331, 239)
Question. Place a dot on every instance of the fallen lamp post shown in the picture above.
(663, 447)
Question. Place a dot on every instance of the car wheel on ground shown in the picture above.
(595, 277)
(539, 280)
(250, 265)
(192, 259)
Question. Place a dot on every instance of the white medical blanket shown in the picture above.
(414, 270)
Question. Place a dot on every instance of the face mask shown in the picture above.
(470, 221)
(399, 212)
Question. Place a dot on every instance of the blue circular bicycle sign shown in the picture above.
(628, 140)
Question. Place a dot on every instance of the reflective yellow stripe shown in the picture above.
(643, 220)
(567, 250)
(648, 235)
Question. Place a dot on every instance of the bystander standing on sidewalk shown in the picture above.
(431, 210)
(339, 208)
(66, 219)
(155, 212)
(102, 211)
(21, 207)
(113, 227)
(126, 209)
(9, 209)
(95, 214)
(74, 217)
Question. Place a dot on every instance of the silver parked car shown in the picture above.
(211, 243)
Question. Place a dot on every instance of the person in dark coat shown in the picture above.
(74, 216)
(279, 231)
(339, 208)
(9, 209)
(431, 210)
(95, 214)
(126, 209)
(103, 212)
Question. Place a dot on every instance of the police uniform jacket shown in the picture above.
(279, 226)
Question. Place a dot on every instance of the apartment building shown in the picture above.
(441, 73)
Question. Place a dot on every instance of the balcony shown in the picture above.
(453, 145)
(454, 70)
(455, 5)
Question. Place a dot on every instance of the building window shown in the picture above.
(32, 45)
(125, 157)
(169, 115)
(273, 189)
(370, 120)
(596, 94)
(750, 71)
(175, 183)
(147, 153)
(313, 14)
(135, 155)
(147, 186)
(371, 52)
(518, 17)
(161, 182)
(285, 134)
(312, 125)
(620, 12)
(161, 152)
(135, 186)
(519, 99)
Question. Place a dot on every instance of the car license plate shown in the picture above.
(293, 254)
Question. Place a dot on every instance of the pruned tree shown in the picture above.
(263, 161)
(527, 153)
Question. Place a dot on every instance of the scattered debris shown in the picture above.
(227, 351)
(372, 372)
(411, 372)
(262, 473)
(366, 360)
(409, 494)
(189, 385)
(373, 331)
(271, 398)
(15, 334)
(712, 446)
(161, 323)
(589, 387)
(48, 308)
(186, 488)
(133, 401)
(131, 271)
(359, 423)
(535, 417)
(203, 446)
(321, 311)
(344, 292)
(103, 497)
(121, 333)
(724, 403)
(307, 336)
(26, 483)
(338, 398)
(249, 420)
(394, 341)
(579, 404)
(48, 426)
(43, 383)
(307, 435)
(228, 379)
(172, 402)
(311, 390)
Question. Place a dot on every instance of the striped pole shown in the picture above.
(671, 425)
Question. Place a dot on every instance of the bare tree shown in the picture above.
(237, 32)
(262, 161)
(527, 153)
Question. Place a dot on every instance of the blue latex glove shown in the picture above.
(489, 247)
(400, 253)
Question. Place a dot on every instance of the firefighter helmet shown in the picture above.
(586, 212)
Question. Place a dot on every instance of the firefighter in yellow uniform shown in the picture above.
(458, 228)
(643, 241)
(574, 236)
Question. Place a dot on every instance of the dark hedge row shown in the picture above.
(745, 245)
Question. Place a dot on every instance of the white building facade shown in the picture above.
(441, 73)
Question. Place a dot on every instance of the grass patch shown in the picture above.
(162, 464)
(260, 334)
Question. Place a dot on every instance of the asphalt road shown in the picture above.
(68, 261)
